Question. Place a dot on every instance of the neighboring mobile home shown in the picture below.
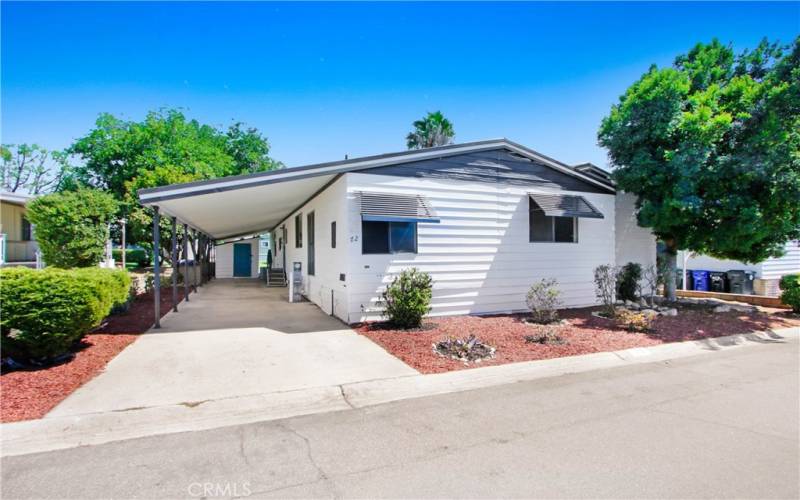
(768, 273)
(485, 219)
(17, 242)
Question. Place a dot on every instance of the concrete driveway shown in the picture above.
(234, 338)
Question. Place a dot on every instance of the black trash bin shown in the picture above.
(679, 279)
(718, 281)
(741, 281)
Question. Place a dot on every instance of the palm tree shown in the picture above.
(433, 130)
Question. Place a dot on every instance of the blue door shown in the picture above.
(241, 260)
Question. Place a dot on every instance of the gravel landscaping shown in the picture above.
(582, 332)
(31, 394)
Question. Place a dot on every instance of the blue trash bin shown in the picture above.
(700, 280)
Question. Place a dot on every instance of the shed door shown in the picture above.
(241, 260)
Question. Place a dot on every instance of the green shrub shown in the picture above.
(635, 321)
(45, 312)
(407, 299)
(136, 256)
(790, 291)
(628, 281)
(72, 227)
(542, 299)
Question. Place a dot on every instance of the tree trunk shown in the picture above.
(671, 255)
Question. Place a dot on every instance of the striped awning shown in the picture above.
(565, 205)
(391, 207)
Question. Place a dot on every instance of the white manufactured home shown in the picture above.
(485, 219)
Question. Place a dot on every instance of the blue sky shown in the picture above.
(325, 80)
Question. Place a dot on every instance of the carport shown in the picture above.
(224, 210)
(229, 208)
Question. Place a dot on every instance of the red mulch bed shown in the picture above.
(26, 395)
(584, 334)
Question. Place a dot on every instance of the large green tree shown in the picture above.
(433, 130)
(72, 227)
(31, 168)
(123, 156)
(711, 148)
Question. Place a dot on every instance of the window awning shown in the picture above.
(565, 205)
(389, 207)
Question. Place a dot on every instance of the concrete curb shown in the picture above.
(47, 434)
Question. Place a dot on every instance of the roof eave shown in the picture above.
(151, 196)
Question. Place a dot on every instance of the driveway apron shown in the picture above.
(235, 337)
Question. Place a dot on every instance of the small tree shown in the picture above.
(605, 287)
(652, 279)
(72, 227)
(543, 301)
(408, 298)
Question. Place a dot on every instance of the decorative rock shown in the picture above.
(649, 312)
(643, 303)
(630, 303)
(670, 312)
(722, 309)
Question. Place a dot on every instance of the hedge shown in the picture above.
(790, 291)
(45, 312)
(72, 226)
(137, 255)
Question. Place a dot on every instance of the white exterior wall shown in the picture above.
(789, 263)
(224, 259)
(633, 243)
(328, 206)
(478, 255)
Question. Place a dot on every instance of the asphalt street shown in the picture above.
(716, 426)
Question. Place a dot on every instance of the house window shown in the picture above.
(547, 228)
(333, 234)
(380, 237)
(26, 230)
(298, 231)
(310, 243)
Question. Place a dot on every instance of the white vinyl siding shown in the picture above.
(324, 288)
(789, 263)
(479, 255)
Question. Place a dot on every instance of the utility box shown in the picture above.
(296, 282)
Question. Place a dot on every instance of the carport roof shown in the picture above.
(249, 204)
